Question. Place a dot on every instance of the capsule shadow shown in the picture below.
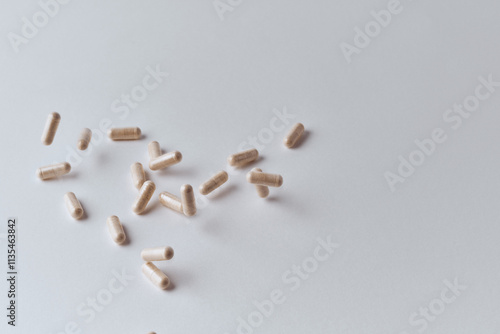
(171, 286)
(127, 239)
(84, 216)
(151, 206)
(173, 171)
(302, 139)
(69, 176)
(273, 198)
(222, 192)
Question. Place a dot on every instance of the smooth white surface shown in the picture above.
(225, 79)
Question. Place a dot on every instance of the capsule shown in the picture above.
(145, 193)
(84, 140)
(171, 201)
(262, 191)
(294, 135)
(154, 150)
(124, 133)
(155, 275)
(115, 229)
(188, 201)
(214, 182)
(165, 160)
(138, 174)
(265, 179)
(73, 205)
(52, 171)
(50, 128)
(243, 158)
(157, 253)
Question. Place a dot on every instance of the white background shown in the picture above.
(225, 79)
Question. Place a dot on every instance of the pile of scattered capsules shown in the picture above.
(185, 205)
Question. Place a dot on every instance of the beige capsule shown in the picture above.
(155, 275)
(73, 205)
(294, 135)
(145, 193)
(213, 183)
(84, 140)
(171, 201)
(265, 179)
(188, 201)
(50, 128)
(243, 158)
(132, 133)
(157, 253)
(52, 171)
(154, 150)
(165, 160)
(138, 174)
(262, 191)
(115, 229)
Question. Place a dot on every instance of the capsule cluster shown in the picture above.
(184, 203)
(53, 171)
(150, 270)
